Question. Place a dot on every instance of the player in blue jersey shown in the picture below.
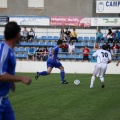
(53, 61)
(7, 69)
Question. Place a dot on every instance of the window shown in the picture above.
(3, 3)
(35, 4)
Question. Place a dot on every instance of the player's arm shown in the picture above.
(11, 78)
(109, 58)
(118, 63)
(94, 55)
(6, 77)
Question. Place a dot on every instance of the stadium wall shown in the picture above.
(85, 8)
(70, 67)
(51, 7)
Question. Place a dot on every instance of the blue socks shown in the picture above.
(62, 74)
(43, 73)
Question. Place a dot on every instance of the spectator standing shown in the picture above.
(71, 47)
(64, 47)
(110, 36)
(115, 49)
(45, 54)
(25, 34)
(31, 53)
(86, 52)
(39, 53)
(62, 34)
(67, 35)
(74, 35)
(117, 35)
(99, 36)
(21, 35)
(31, 35)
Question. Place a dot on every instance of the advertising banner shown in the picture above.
(3, 20)
(105, 21)
(108, 6)
(36, 21)
(69, 21)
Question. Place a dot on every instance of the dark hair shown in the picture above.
(71, 42)
(11, 30)
(104, 47)
(59, 42)
(110, 31)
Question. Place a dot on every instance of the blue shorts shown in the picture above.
(53, 63)
(6, 111)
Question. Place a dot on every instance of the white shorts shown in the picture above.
(100, 69)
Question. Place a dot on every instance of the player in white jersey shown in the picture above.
(103, 58)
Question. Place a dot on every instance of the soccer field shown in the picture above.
(47, 99)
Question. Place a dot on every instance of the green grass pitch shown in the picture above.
(47, 99)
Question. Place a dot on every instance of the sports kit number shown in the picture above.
(104, 54)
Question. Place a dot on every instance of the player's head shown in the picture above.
(96, 45)
(74, 29)
(117, 29)
(59, 43)
(104, 47)
(12, 32)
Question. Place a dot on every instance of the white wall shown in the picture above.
(70, 67)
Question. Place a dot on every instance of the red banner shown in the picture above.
(69, 21)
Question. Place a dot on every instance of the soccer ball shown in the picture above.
(76, 82)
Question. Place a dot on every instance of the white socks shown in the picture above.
(92, 81)
(102, 79)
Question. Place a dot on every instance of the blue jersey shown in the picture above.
(7, 65)
(56, 50)
(54, 62)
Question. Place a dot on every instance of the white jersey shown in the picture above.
(103, 56)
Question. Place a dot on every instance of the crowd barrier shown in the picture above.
(70, 67)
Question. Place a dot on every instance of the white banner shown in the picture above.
(105, 21)
(36, 21)
(108, 6)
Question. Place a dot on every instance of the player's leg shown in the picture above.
(62, 75)
(8, 116)
(62, 72)
(102, 73)
(95, 73)
(0, 116)
(92, 81)
(43, 73)
(8, 113)
(50, 64)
